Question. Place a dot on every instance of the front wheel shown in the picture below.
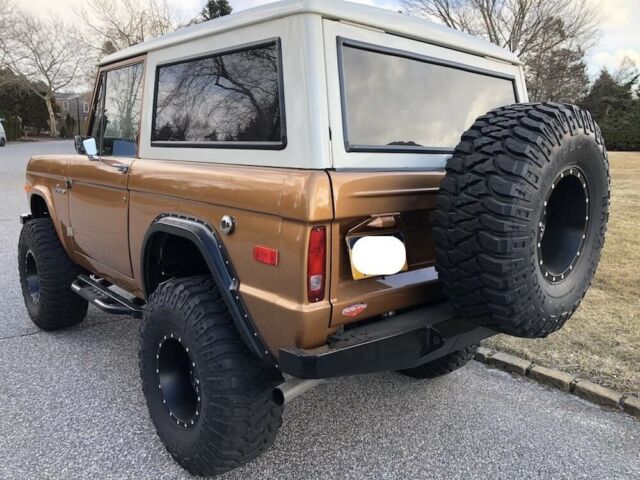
(209, 398)
(46, 274)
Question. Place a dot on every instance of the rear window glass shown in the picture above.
(224, 100)
(400, 103)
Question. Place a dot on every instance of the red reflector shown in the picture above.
(266, 255)
(316, 264)
(354, 310)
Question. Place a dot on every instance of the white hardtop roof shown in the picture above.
(391, 22)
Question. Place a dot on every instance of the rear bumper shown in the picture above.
(403, 341)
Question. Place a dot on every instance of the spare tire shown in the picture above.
(521, 217)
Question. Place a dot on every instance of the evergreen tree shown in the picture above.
(616, 107)
(20, 105)
(213, 9)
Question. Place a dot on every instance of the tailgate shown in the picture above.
(408, 197)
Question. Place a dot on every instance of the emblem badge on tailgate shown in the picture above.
(354, 310)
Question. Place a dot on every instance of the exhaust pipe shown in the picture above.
(287, 391)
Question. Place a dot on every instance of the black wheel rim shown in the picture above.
(178, 380)
(562, 229)
(32, 278)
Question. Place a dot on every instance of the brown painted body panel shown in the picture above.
(273, 207)
(99, 211)
(46, 176)
(111, 213)
(358, 196)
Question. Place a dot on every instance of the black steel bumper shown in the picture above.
(403, 341)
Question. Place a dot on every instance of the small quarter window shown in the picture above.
(395, 101)
(227, 100)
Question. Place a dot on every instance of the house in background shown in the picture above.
(74, 113)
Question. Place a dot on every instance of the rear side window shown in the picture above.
(227, 100)
(394, 101)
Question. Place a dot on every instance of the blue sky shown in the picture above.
(620, 24)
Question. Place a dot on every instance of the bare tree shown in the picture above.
(521, 26)
(6, 13)
(557, 75)
(112, 25)
(45, 55)
(627, 72)
(539, 31)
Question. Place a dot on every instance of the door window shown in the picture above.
(116, 122)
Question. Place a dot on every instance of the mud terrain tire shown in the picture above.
(232, 417)
(443, 365)
(521, 217)
(46, 274)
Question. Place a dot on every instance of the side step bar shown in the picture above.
(98, 292)
(404, 341)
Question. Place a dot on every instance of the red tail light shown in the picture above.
(316, 264)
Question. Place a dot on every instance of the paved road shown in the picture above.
(71, 407)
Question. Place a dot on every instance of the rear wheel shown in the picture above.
(46, 274)
(521, 217)
(209, 398)
(443, 365)
(2, 142)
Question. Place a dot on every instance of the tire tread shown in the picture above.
(58, 307)
(239, 386)
(484, 212)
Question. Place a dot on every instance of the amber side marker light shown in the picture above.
(316, 264)
(28, 188)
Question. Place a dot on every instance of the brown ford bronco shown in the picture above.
(311, 188)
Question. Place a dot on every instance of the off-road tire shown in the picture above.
(443, 365)
(54, 306)
(238, 419)
(491, 220)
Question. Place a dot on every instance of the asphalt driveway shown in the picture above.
(71, 406)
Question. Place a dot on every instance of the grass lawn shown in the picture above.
(601, 342)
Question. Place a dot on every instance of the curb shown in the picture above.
(562, 381)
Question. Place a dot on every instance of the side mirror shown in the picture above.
(86, 146)
(90, 148)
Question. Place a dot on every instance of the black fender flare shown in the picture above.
(208, 242)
